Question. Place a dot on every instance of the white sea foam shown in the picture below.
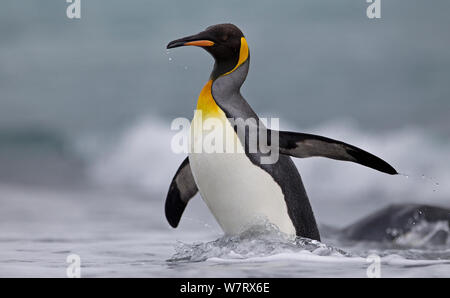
(258, 241)
(425, 234)
(264, 245)
(141, 159)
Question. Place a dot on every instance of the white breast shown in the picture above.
(237, 192)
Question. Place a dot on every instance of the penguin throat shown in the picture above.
(223, 67)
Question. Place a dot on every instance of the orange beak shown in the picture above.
(200, 43)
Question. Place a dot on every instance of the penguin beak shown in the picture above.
(199, 40)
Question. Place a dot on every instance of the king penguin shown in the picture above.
(237, 187)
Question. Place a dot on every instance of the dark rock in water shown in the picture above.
(396, 220)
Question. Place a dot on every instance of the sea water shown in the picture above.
(85, 113)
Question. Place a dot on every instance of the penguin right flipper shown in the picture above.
(181, 190)
(307, 145)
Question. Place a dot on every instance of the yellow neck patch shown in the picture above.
(206, 102)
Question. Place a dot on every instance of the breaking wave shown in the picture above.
(425, 234)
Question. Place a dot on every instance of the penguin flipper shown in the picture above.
(307, 145)
(181, 190)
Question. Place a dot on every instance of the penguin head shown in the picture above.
(225, 42)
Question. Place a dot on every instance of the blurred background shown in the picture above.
(86, 105)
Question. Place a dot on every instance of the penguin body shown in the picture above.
(237, 187)
(225, 180)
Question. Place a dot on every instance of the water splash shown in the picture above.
(431, 180)
(404, 175)
(201, 223)
(257, 241)
(168, 53)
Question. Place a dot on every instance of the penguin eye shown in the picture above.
(225, 37)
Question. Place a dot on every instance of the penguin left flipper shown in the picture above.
(181, 190)
(307, 145)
